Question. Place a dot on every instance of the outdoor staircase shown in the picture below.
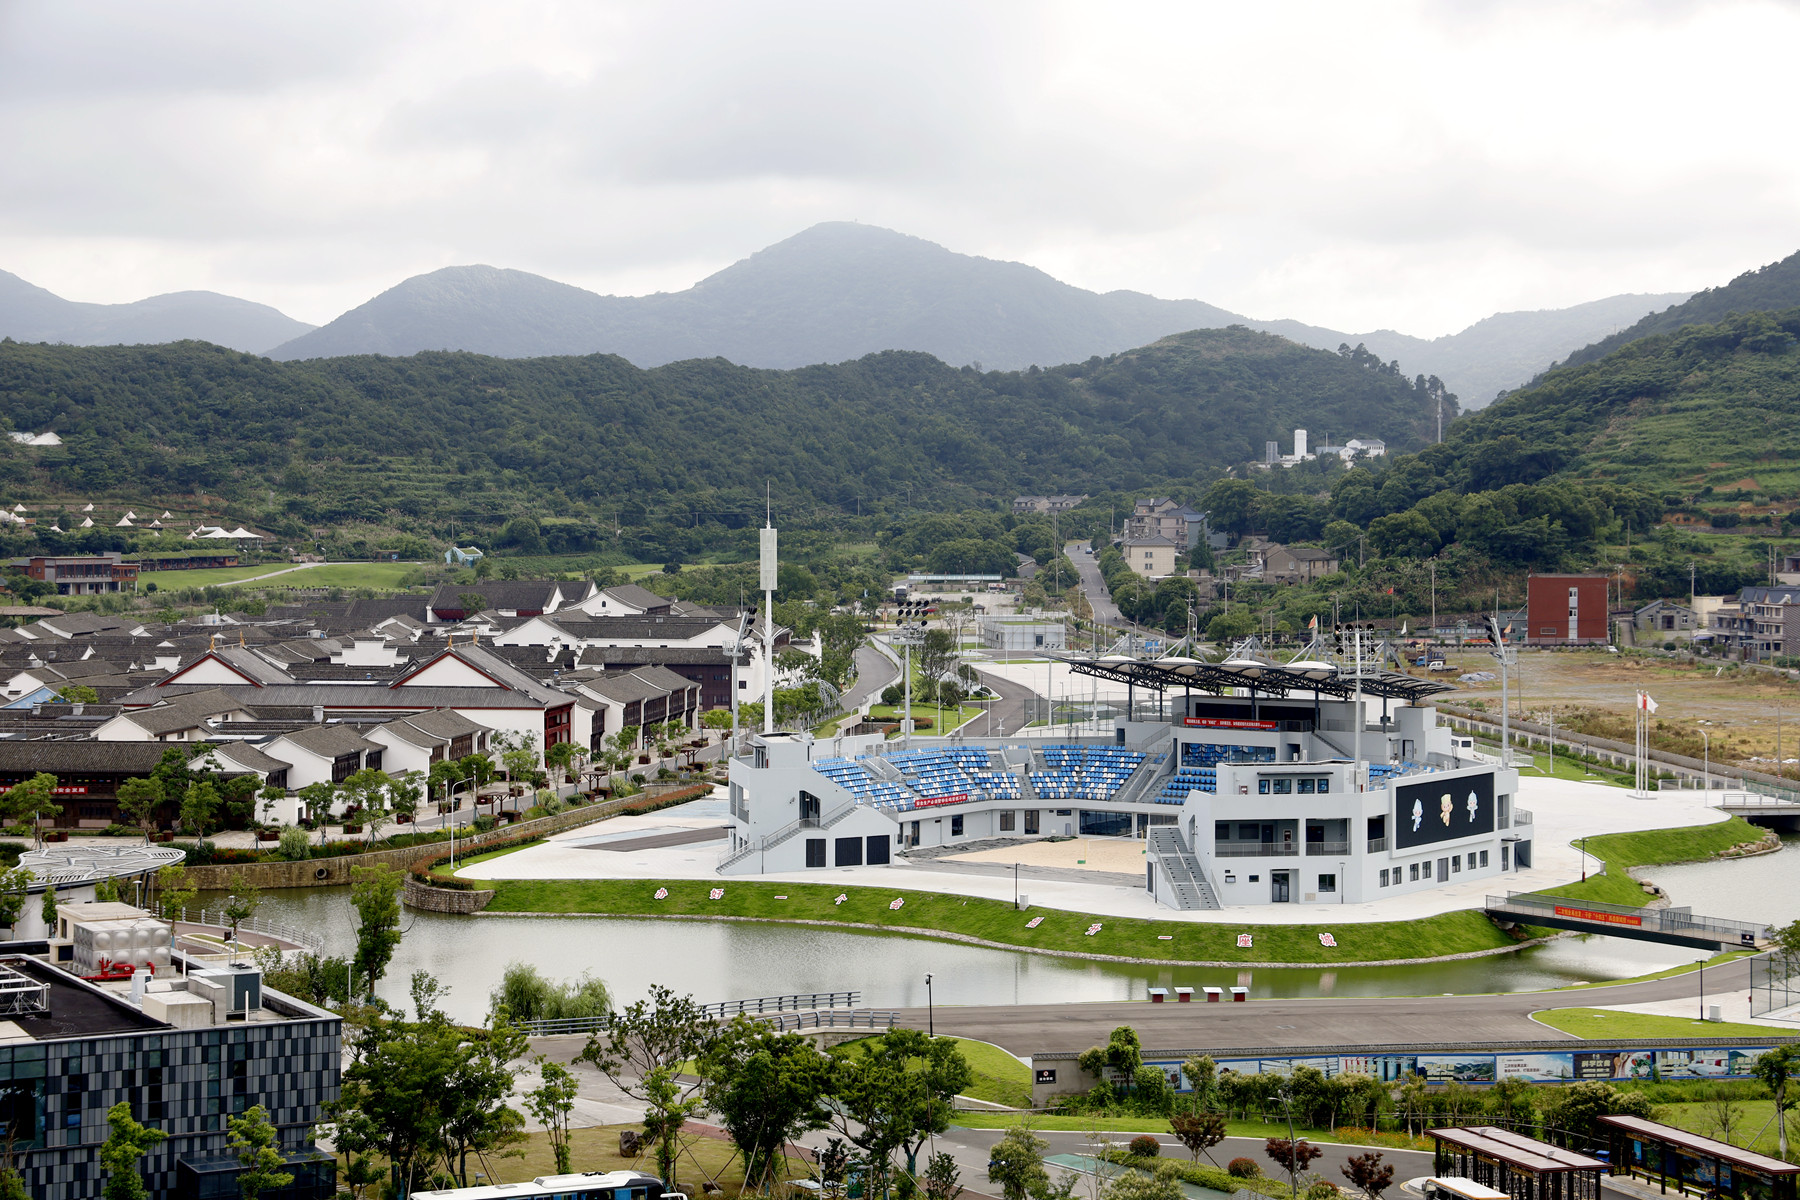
(1181, 870)
(1149, 774)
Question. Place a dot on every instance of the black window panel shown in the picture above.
(815, 852)
(878, 845)
(849, 852)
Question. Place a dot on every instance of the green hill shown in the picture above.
(414, 443)
(1705, 405)
(1773, 288)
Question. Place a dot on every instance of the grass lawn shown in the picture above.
(1568, 768)
(997, 920)
(597, 1149)
(370, 575)
(1752, 1122)
(1623, 850)
(999, 1077)
(942, 719)
(1604, 1023)
(471, 860)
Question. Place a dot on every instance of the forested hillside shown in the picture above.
(420, 442)
(1767, 289)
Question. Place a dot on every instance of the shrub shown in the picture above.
(893, 695)
(1322, 1191)
(484, 822)
(1243, 1168)
(293, 844)
(1145, 1146)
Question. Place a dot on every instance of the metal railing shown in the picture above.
(1314, 849)
(1255, 849)
(306, 940)
(1378, 845)
(806, 1003)
(1650, 920)
(866, 1019)
(1521, 816)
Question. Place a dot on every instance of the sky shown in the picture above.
(1414, 166)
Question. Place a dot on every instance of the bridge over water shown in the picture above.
(1673, 926)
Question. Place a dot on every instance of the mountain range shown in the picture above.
(31, 314)
(832, 293)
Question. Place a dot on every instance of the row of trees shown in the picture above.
(432, 1097)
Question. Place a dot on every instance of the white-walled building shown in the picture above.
(1295, 793)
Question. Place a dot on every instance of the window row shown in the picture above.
(1422, 870)
(1287, 785)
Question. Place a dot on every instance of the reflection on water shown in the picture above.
(736, 960)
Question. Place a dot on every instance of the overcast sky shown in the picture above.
(1357, 165)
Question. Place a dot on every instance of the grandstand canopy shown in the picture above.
(1268, 678)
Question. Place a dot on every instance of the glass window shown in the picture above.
(1456, 862)
(1221, 831)
(1262, 787)
(1328, 883)
(1249, 833)
(1384, 878)
(1256, 879)
(1425, 869)
(1007, 821)
(1031, 820)
(1283, 786)
(1324, 786)
(956, 826)
(1484, 858)
(1306, 787)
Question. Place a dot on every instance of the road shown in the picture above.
(1028, 1029)
(1007, 714)
(874, 671)
(1094, 587)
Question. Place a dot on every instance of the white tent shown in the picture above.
(87, 508)
(123, 522)
(87, 522)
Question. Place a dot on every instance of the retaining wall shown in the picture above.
(443, 900)
(330, 872)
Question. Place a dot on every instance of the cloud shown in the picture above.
(1397, 164)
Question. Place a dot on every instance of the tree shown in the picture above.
(641, 1050)
(1574, 1107)
(366, 794)
(478, 767)
(255, 1141)
(1203, 1077)
(718, 719)
(550, 1104)
(895, 1095)
(528, 996)
(1368, 1174)
(562, 757)
(47, 910)
(1136, 1185)
(199, 808)
(175, 890)
(241, 904)
(12, 1185)
(375, 894)
(359, 1173)
(315, 799)
(139, 799)
(1199, 1132)
(30, 801)
(78, 693)
(126, 1143)
(766, 1090)
(15, 887)
(1116, 1063)
(1016, 1163)
(942, 1180)
(1777, 1068)
(1293, 1157)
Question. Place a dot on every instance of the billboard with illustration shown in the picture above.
(1444, 810)
(1560, 1066)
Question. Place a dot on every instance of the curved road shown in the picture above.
(1027, 1029)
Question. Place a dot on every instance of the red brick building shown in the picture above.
(83, 574)
(1566, 610)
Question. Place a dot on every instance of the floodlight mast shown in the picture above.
(768, 630)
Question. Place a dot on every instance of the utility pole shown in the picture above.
(768, 581)
(1433, 565)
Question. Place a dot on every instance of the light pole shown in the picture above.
(1706, 779)
(930, 1018)
(1015, 886)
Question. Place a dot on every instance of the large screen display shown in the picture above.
(1443, 810)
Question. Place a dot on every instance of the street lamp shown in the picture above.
(930, 1018)
(1706, 779)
